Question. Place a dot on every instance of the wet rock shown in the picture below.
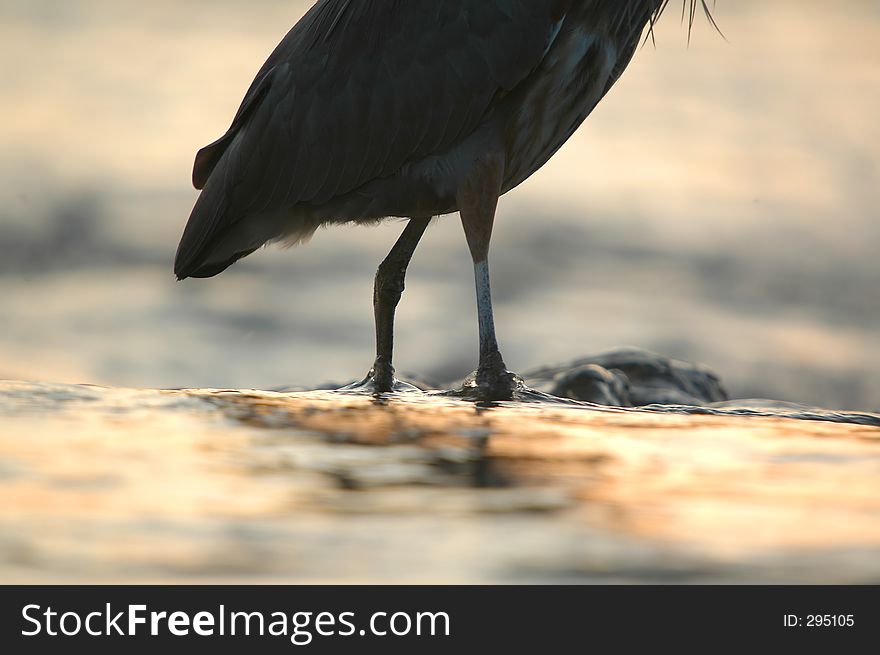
(592, 383)
(630, 377)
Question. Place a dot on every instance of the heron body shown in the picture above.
(371, 109)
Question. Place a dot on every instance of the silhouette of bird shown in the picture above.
(370, 109)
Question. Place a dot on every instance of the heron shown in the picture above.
(408, 109)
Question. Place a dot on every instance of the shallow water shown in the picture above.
(720, 206)
(120, 485)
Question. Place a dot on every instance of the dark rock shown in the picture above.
(630, 377)
(594, 384)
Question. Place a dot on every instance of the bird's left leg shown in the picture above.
(389, 286)
(477, 202)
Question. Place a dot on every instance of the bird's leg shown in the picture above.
(387, 290)
(477, 202)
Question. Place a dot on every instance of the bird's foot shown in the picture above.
(491, 384)
(379, 380)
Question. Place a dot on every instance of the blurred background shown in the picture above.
(720, 206)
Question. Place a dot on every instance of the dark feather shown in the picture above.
(359, 91)
(354, 92)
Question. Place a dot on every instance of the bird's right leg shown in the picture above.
(388, 288)
(477, 202)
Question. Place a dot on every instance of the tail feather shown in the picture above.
(210, 269)
(218, 234)
(223, 227)
(201, 229)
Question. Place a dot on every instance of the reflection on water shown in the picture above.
(325, 487)
(719, 206)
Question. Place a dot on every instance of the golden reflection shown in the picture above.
(247, 484)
